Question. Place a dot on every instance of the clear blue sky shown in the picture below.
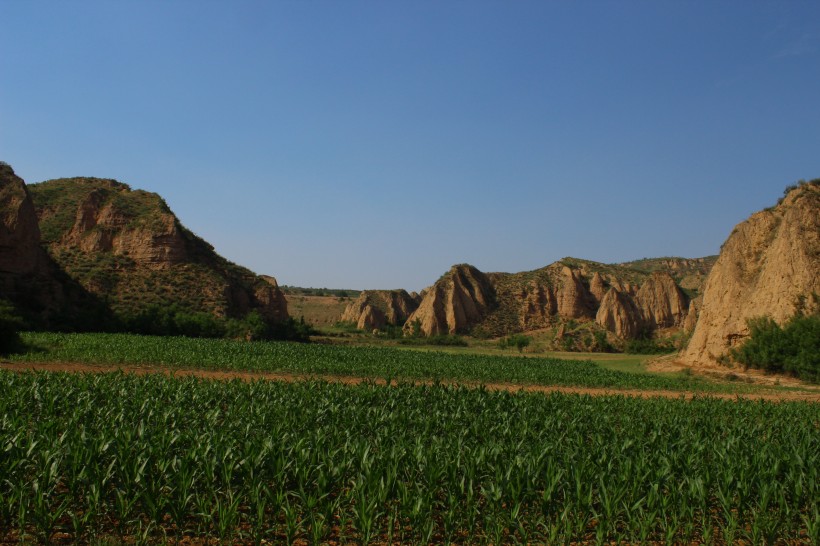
(374, 144)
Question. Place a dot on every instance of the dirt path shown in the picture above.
(813, 396)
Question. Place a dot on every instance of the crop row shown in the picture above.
(148, 457)
(371, 362)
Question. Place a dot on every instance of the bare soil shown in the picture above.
(812, 395)
(673, 363)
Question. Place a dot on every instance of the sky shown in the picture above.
(364, 144)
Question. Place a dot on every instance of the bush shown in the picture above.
(10, 326)
(601, 344)
(519, 341)
(645, 344)
(170, 320)
(793, 348)
(289, 330)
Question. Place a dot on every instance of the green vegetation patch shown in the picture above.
(114, 458)
(793, 348)
(372, 362)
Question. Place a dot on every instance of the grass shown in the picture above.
(366, 362)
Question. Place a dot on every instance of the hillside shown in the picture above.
(625, 300)
(769, 266)
(127, 247)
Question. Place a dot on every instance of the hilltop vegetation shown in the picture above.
(793, 348)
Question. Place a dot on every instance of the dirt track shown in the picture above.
(348, 380)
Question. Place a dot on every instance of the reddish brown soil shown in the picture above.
(808, 396)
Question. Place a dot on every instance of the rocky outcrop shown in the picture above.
(661, 302)
(20, 250)
(538, 306)
(691, 318)
(769, 266)
(270, 299)
(374, 309)
(619, 314)
(597, 288)
(574, 300)
(106, 221)
(457, 301)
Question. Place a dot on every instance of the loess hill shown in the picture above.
(129, 249)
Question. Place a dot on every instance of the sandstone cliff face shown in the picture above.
(104, 222)
(127, 246)
(661, 302)
(597, 288)
(457, 301)
(271, 300)
(769, 265)
(539, 306)
(574, 300)
(619, 314)
(374, 309)
(691, 318)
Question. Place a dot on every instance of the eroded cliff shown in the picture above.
(769, 266)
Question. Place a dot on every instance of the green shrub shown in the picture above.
(793, 348)
(519, 341)
(393, 331)
(171, 320)
(645, 344)
(601, 344)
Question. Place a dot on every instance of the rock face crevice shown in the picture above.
(769, 266)
(661, 302)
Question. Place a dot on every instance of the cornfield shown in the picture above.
(369, 362)
(148, 459)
